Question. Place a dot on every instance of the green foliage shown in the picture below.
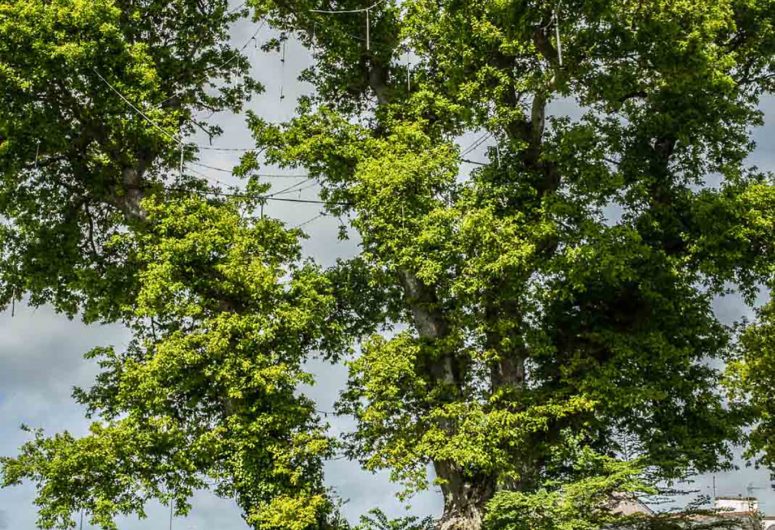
(593, 492)
(75, 158)
(205, 395)
(518, 272)
(588, 502)
(557, 294)
(567, 283)
(377, 520)
(750, 378)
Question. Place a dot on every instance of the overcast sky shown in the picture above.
(41, 352)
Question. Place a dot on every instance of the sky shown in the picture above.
(41, 352)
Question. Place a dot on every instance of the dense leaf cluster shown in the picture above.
(533, 334)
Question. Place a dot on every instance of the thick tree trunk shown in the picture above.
(131, 195)
(468, 517)
(464, 498)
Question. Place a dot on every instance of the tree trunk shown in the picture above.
(467, 517)
(464, 498)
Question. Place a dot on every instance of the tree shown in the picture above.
(76, 158)
(206, 391)
(559, 290)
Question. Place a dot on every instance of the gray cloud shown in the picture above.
(41, 352)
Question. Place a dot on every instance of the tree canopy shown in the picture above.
(531, 329)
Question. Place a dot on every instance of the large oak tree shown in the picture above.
(523, 324)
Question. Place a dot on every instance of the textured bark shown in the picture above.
(509, 367)
(464, 518)
(464, 498)
(431, 325)
(128, 201)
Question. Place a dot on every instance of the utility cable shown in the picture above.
(344, 11)
(140, 112)
(305, 223)
(476, 144)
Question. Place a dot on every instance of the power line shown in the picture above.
(208, 177)
(271, 197)
(281, 176)
(141, 113)
(312, 184)
(248, 195)
(235, 9)
(219, 169)
(159, 127)
(344, 11)
(255, 34)
(232, 149)
(307, 222)
(292, 188)
(366, 10)
(289, 188)
(476, 143)
(300, 201)
(228, 61)
(264, 175)
(244, 195)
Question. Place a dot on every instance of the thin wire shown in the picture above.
(288, 199)
(343, 11)
(225, 63)
(141, 113)
(171, 137)
(247, 43)
(366, 10)
(305, 223)
(308, 186)
(368, 30)
(476, 144)
(243, 195)
(467, 161)
(289, 188)
(182, 150)
(220, 169)
(209, 178)
(280, 176)
(234, 10)
(282, 69)
(297, 190)
(247, 195)
(481, 142)
(264, 175)
(232, 149)
(473, 145)
(211, 192)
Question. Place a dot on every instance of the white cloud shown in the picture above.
(41, 352)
